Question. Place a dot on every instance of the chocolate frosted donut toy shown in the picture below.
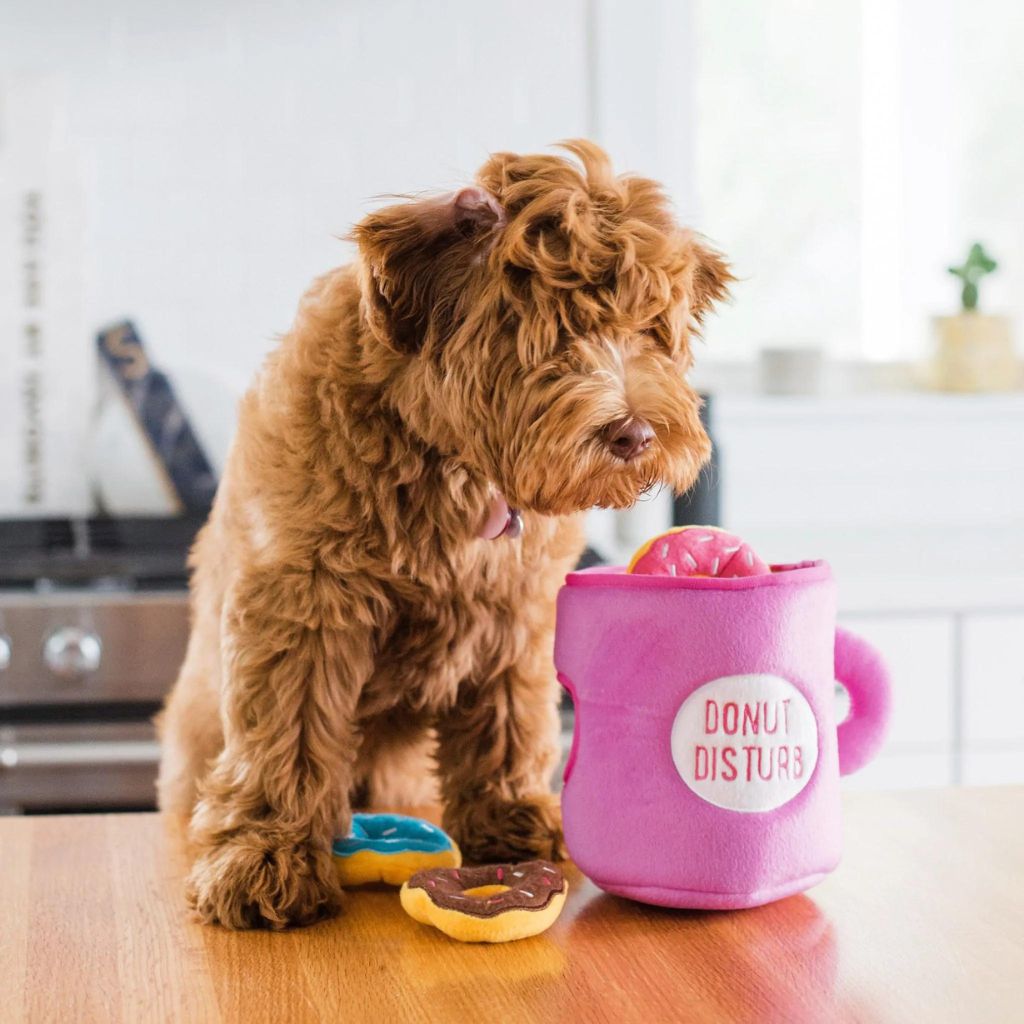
(391, 848)
(493, 903)
(697, 551)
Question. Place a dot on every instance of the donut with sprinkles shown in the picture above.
(697, 551)
(492, 903)
(391, 848)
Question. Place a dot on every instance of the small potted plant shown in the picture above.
(975, 350)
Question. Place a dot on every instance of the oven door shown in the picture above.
(77, 767)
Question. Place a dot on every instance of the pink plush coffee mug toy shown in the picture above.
(705, 764)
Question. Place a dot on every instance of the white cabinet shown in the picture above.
(919, 747)
(994, 679)
(992, 767)
(918, 651)
(917, 502)
(993, 698)
(892, 461)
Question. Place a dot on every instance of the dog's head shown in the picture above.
(537, 326)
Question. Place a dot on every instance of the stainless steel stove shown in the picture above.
(93, 626)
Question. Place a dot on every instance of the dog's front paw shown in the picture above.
(512, 830)
(245, 881)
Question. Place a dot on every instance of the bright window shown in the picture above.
(846, 153)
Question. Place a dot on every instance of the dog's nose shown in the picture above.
(628, 438)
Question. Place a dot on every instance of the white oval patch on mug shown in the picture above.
(746, 743)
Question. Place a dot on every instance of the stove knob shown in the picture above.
(72, 652)
(5, 651)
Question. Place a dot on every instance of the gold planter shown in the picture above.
(974, 352)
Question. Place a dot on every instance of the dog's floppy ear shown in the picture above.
(709, 280)
(418, 258)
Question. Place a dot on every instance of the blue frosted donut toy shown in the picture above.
(391, 848)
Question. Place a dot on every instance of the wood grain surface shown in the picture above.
(923, 921)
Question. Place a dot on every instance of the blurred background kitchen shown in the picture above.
(188, 168)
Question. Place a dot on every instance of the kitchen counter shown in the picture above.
(924, 920)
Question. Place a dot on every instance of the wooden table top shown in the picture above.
(923, 921)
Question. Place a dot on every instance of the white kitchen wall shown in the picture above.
(221, 148)
(225, 146)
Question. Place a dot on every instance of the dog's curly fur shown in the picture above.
(353, 638)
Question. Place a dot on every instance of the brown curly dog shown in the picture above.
(373, 594)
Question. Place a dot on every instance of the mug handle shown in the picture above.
(860, 668)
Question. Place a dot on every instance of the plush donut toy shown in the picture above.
(391, 848)
(494, 903)
(697, 551)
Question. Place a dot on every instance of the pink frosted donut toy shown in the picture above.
(697, 551)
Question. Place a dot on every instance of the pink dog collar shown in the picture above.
(501, 520)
